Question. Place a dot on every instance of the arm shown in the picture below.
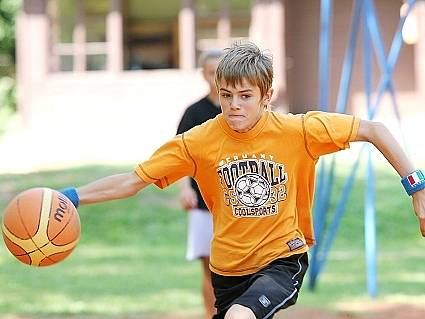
(377, 134)
(105, 189)
(188, 198)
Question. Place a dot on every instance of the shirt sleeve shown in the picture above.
(168, 164)
(328, 132)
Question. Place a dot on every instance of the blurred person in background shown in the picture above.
(199, 219)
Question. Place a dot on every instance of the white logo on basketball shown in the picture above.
(252, 190)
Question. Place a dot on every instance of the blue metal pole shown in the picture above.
(339, 212)
(347, 68)
(322, 187)
(369, 204)
(370, 228)
(321, 250)
(372, 35)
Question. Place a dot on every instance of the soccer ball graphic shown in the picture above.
(252, 190)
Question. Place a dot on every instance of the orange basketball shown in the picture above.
(40, 226)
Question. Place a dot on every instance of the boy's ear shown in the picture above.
(268, 96)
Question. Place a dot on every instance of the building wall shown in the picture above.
(137, 110)
(296, 58)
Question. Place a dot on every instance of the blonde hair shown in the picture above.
(244, 60)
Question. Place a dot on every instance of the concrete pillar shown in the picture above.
(79, 37)
(187, 35)
(114, 35)
(52, 12)
(419, 10)
(224, 26)
(32, 52)
(267, 30)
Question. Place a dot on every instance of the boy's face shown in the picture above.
(243, 105)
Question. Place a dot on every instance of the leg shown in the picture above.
(198, 247)
(262, 294)
(207, 290)
(239, 312)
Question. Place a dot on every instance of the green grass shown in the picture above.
(130, 259)
(401, 248)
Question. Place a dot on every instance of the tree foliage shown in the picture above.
(8, 13)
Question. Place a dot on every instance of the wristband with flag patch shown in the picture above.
(413, 182)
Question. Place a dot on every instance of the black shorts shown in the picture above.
(265, 292)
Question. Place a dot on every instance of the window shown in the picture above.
(78, 35)
(209, 13)
(151, 36)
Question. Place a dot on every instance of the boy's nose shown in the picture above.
(234, 103)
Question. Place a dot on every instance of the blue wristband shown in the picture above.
(72, 195)
(413, 182)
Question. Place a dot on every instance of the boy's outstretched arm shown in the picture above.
(107, 188)
(377, 134)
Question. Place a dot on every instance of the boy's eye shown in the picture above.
(246, 96)
(225, 95)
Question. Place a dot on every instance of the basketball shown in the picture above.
(40, 226)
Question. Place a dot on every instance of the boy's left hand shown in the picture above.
(419, 206)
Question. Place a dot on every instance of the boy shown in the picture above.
(200, 220)
(255, 170)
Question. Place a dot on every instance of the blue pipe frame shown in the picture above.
(325, 223)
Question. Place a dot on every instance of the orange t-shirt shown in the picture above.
(258, 185)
